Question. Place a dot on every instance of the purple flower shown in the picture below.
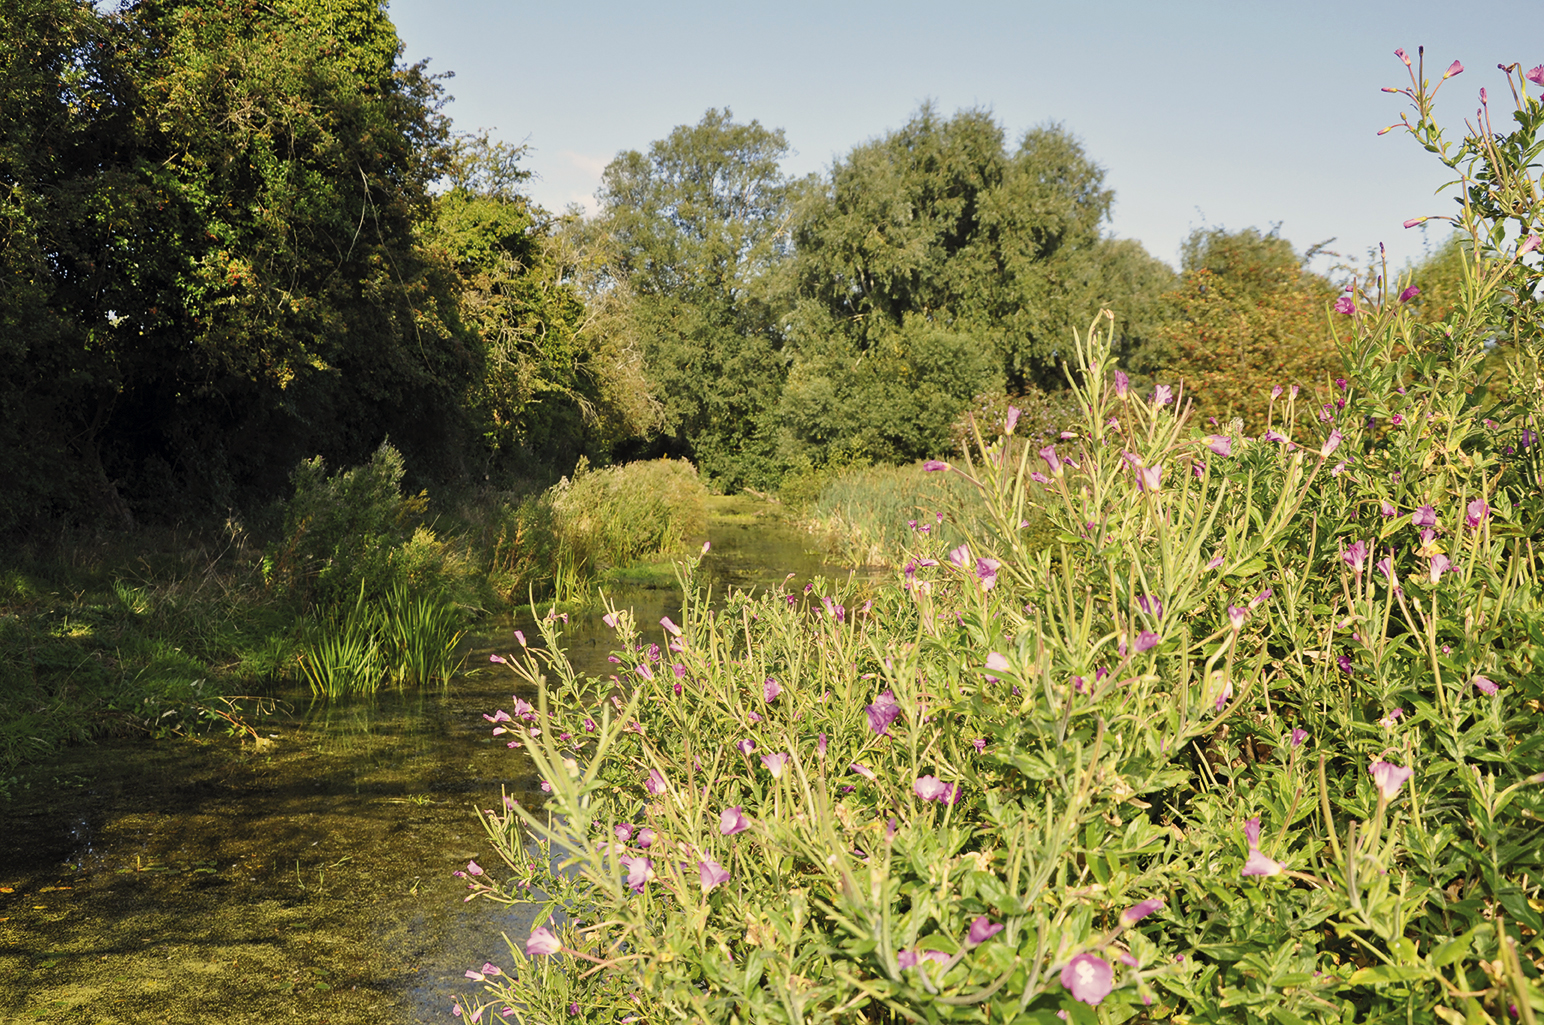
(639, 872)
(931, 788)
(1409, 293)
(1274, 435)
(1298, 736)
(473, 869)
(770, 690)
(1252, 832)
(820, 746)
(1236, 617)
(746, 746)
(1122, 384)
(1258, 864)
(1529, 245)
(1402, 56)
(1476, 511)
(1484, 686)
(1137, 912)
(862, 770)
(979, 744)
(935, 465)
(1536, 75)
(1388, 777)
(1344, 662)
(610, 619)
(1425, 516)
(645, 672)
(646, 837)
(1387, 509)
(1148, 477)
(1038, 477)
(1355, 556)
(1412, 222)
(624, 831)
(1221, 444)
(884, 711)
(1012, 421)
(1276, 393)
(542, 941)
(1051, 461)
(656, 784)
(986, 572)
(1150, 605)
(959, 558)
(498, 658)
(1088, 978)
(732, 821)
(1163, 395)
(775, 763)
(997, 662)
(711, 873)
(670, 626)
(981, 930)
(1330, 444)
(1440, 564)
(1146, 641)
(1345, 305)
(1455, 68)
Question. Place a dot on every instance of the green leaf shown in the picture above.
(1389, 973)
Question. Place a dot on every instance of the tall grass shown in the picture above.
(876, 515)
(410, 638)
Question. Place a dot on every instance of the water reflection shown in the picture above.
(307, 880)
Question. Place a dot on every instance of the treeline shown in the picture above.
(237, 234)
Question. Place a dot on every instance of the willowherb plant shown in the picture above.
(1256, 738)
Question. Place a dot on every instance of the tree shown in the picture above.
(932, 232)
(692, 235)
(1247, 317)
(213, 206)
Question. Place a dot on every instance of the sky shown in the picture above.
(1227, 114)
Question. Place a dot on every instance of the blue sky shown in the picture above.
(1230, 114)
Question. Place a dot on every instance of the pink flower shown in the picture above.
(884, 711)
(1484, 686)
(1137, 912)
(644, 671)
(670, 626)
(774, 764)
(656, 783)
(1389, 778)
(1257, 864)
(935, 465)
(542, 941)
(473, 869)
(1088, 978)
(986, 572)
(1298, 736)
(1401, 55)
(1236, 617)
(746, 746)
(931, 788)
(499, 659)
(820, 746)
(1536, 75)
(1345, 305)
(979, 744)
(1122, 384)
(1425, 516)
(1412, 222)
(1355, 556)
(1276, 393)
(959, 558)
(862, 770)
(1051, 461)
(1273, 435)
(1330, 444)
(770, 690)
(1146, 641)
(1454, 68)
(1012, 421)
(639, 872)
(1529, 245)
(1216, 561)
(981, 930)
(1148, 477)
(610, 619)
(1409, 293)
(997, 662)
(499, 715)
(1163, 395)
(732, 821)
(711, 873)
(1252, 832)
(1388, 721)
(1440, 564)
(1477, 510)
(646, 837)
(1220, 444)
(1387, 508)
(623, 831)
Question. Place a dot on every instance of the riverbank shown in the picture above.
(303, 874)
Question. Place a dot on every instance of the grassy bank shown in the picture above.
(359, 586)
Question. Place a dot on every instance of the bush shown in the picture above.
(880, 515)
(1261, 741)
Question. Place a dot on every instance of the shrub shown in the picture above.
(878, 515)
(1261, 740)
(611, 517)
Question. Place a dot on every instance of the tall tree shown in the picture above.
(214, 204)
(693, 232)
(936, 257)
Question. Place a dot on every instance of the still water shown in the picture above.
(204, 880)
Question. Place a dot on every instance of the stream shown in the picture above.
(306, 878)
